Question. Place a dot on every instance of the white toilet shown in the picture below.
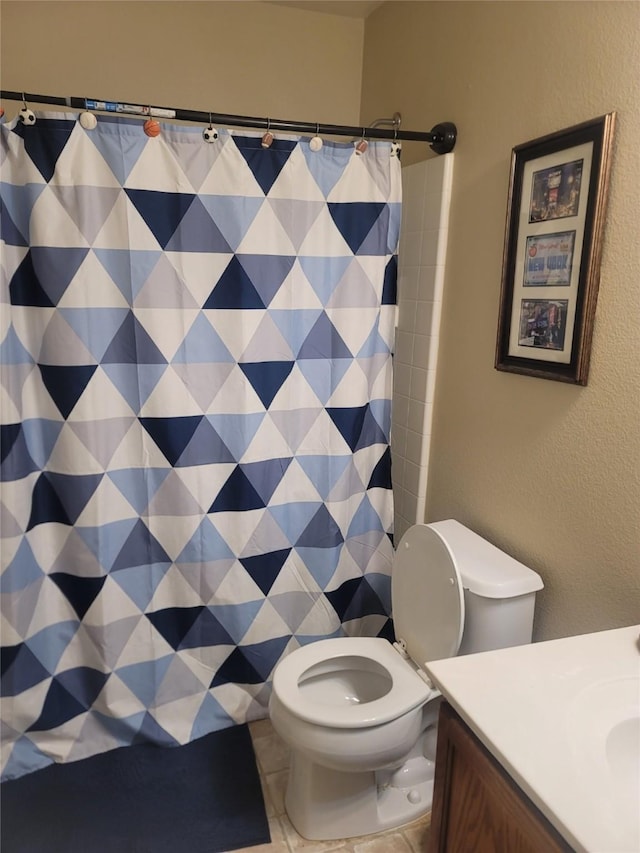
(360, 714)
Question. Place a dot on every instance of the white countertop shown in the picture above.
(545, 712)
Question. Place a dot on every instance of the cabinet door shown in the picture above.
(477, 807)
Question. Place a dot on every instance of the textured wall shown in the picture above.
(237, 57)
(548, 471)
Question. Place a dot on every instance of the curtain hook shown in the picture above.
(267, 137)
(26, 115)
(315, 143)
(151, 127)
(396, 147)
(362, 145)
(210, 134)
(87, 118)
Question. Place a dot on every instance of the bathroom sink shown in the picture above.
(571, 735)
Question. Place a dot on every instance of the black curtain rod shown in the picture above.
(442, 137)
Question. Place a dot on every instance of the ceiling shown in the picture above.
(346, 8)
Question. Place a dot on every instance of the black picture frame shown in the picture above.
(556, 207)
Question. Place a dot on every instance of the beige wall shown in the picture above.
(238, 57)
(550, 472)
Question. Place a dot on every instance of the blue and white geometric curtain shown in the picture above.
(196, 383)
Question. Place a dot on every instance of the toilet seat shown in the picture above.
(427, 596)
(428, 612)
(407, 690)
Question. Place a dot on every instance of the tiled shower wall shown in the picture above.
(426, 188)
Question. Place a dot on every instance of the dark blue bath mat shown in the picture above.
(204, 797)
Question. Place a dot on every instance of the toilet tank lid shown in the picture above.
(486, 571)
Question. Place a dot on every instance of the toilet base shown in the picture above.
(324, 804)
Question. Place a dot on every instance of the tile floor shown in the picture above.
(273, 761)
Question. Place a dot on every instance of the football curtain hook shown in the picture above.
(362, 144)
(267, 138)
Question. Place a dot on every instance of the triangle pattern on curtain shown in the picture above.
(195, 476)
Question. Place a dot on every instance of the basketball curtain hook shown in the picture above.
(315, 143)
(151, 127)
(210, 134)
(26, 115)
(267, 138)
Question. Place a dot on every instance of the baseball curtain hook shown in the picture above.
(210, 134)
(267, 138)
(87, 118)
(315, 143)
(26, 115)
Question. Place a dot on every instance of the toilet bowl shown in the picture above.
(360, 714)
(351, 703)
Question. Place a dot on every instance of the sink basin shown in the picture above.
(622, 742)
(623, 755)
(604, 723)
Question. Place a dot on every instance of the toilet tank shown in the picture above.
(499, 592)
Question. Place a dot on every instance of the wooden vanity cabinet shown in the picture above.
(477, 807)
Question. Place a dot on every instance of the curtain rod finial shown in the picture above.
(446, 134)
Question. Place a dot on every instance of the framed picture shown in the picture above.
(551, 262)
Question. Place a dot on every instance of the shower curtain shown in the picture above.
(196, 383)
